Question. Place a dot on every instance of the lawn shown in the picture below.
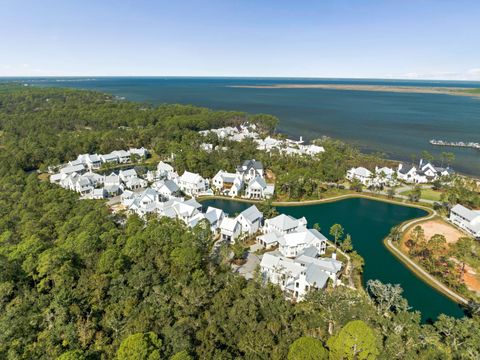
(427, 194)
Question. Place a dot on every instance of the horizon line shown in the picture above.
(92, 77)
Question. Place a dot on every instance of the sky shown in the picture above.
(411, 39)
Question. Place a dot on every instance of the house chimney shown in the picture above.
(334, 256)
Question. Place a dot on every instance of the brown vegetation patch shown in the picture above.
(269, 174)
(471, 279)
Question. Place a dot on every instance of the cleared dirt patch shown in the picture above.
(471, 279)
(432, 227)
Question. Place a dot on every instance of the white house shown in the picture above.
(83, 186)
(385, 176)
(128, 174)
(167, 189)
(70, 169)
(284, 224)
(144, 203)
(99, 194)
(109, 158)
(92, 161)
(250, 219)
(164, 170)
(140, 152)
(135, 183)
(292, 244)
(192, 184)
(433, 172)
(296, 277)
(94, 178)
(268, 144)
(258, 188)
(411, 174)
(250, 169)
(311, 149)
(360, 173)
(112, 179)
(468, 220)
(230, 229)
(215, 217)
(186, 210)
(228, 183)
(122, 155)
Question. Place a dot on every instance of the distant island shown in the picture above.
(385, 88)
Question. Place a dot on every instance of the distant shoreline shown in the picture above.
(381, 88)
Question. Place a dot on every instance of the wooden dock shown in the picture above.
(472, 145)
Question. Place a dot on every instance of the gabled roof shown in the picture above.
(110, 156)
(258, 181)
(248, 164)
(301, 237)
(128, 172)
(270, 238)
(226, 176)
(98, 192)
(229, 224)
(191, 178)
(164, 167)
(310, 251)
(121, 153)
(171, 186)
(405, 169)
(213, 214)
(361, 171)
(326, 264)
(72, 169)
(93, 158)
(281, 264)
(315, 276)
(251, 214)
(466, 213)
(194, 203)
(284, 222)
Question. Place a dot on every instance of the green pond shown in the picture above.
(369, 222)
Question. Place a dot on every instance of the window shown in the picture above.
(297, 285)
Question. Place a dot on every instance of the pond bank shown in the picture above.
(369, 222)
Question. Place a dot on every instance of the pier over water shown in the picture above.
(472, 145)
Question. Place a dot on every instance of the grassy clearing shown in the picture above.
(427, 194)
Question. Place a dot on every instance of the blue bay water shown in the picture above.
(398, 124)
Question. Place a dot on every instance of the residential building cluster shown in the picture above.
(293, 259)
(248, 131)
(247, 182)
(380, 177)
(296, 265)
(78, 175)
(425, 172)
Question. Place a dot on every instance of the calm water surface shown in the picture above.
(398, 124)
(368, 222)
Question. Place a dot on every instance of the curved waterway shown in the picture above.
(369, 222)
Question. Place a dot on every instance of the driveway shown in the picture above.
(247, 270)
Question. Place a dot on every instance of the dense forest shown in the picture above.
(77, 282)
